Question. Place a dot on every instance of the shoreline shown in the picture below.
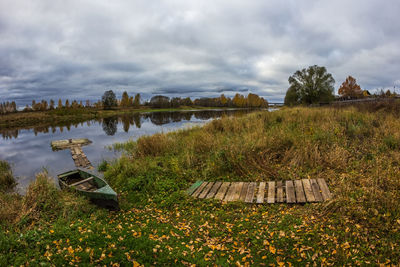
(31, 119)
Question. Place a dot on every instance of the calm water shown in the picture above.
(29, 150)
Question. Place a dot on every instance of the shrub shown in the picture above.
(7, 181)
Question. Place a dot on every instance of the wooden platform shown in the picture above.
(75, 145)
(79, 157)
(296, 191)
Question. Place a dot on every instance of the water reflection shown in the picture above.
(109, 125)
(28, 150)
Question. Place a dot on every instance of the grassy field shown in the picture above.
(357, 151)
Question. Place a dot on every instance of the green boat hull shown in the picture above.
(100, 192)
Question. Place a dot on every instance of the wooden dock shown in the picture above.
(75, 146)
(79, 157)
(292, 191)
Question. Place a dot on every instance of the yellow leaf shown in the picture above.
(272, 249)
(70, 250)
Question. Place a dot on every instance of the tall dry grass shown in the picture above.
(7, 181)
(42, 201)
(357, 152)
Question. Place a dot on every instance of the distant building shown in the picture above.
(366, 93)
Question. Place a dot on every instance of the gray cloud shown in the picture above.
(78, 49)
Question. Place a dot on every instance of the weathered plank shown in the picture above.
(250, 193)
(271, 192)
(301, 198)
(326, 194)
(65, 144)
(230, 192)
(279, 192)
(222, 190)
(79, 157)
(193, 187)
(206, 190)
(290, 196)
(237, 192)
(213, 190)
(243, 193)
(199, 189)
(82, 181)
(297, 191)
(316, 190)
(261, 193)
(308, 190)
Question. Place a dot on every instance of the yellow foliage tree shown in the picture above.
(350, 88)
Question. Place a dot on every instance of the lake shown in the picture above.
(28, 150)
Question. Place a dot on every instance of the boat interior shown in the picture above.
(82, 183)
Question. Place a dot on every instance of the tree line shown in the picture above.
(315, 85)
(109, 100)
(239, 101)
(8, 107)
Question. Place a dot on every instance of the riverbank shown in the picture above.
(357, 153)
(62, 116)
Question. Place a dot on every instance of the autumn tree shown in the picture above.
(175, 102)
(187, 101)
(125, 99)
(27, 108)
(239, 101)
(51, 107)
(136, 101)
(43, 105)
(8, 107)
(60, 105)
(254, 101)
(223, 100)
(66, 103)
(310, 86)
(350, 88)
(74, 104)
(36, 106)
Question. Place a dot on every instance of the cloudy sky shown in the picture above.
(78, 49)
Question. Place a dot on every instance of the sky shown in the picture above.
(77, 49)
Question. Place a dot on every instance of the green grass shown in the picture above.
(356, 152)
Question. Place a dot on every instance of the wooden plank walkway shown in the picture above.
(295, 191)
(75, 146)
(79, 157)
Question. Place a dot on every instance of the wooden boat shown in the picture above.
(90, 185)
